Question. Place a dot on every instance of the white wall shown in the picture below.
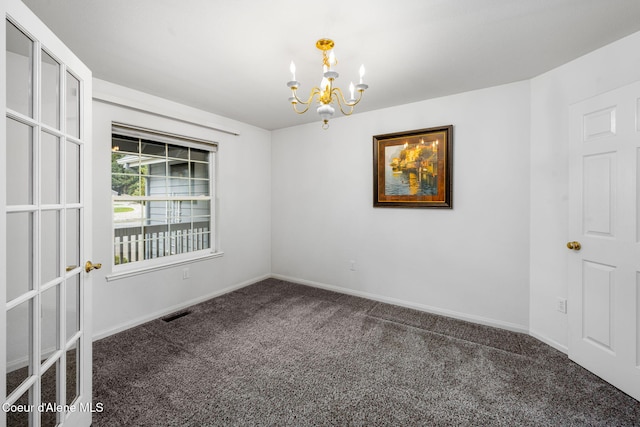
(471, 262)
(244, 209)
(498, 257)
(552, 93)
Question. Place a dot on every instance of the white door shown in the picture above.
(604, 258)
(44, 227)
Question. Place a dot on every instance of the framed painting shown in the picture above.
(413, 169)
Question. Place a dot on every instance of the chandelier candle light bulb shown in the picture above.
(326, 94)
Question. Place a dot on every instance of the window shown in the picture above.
(162, 193)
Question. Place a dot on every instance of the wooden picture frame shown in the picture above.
(413, 169)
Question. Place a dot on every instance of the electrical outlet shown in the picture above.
(352, 265)
(185, 273)
(561, 305)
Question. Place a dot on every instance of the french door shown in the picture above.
(45, 229)
(604, 258)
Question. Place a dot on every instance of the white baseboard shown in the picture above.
(14, 365)
(177, 307)
(549, 341)
(375, 297)
(422, 307)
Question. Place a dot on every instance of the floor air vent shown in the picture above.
(174, 316)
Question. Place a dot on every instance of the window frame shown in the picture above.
(121, 270)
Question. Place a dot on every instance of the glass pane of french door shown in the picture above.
(19, 71)
(50, 92)
(46, 344)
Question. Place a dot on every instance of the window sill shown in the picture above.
(169, 264)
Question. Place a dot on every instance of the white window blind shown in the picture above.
(159, 136)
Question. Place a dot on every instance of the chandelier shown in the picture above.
(327, 94)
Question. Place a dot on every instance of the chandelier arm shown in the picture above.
(314, 91)
(300, 112)
(346, 113)
(339, 97)
(347, 103)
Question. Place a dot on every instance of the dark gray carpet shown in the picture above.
(280, 354)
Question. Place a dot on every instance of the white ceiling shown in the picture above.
(231, 57)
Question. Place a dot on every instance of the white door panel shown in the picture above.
(598, 295)
(604, 299)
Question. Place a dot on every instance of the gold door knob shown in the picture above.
(576, 246)
(91, 266)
